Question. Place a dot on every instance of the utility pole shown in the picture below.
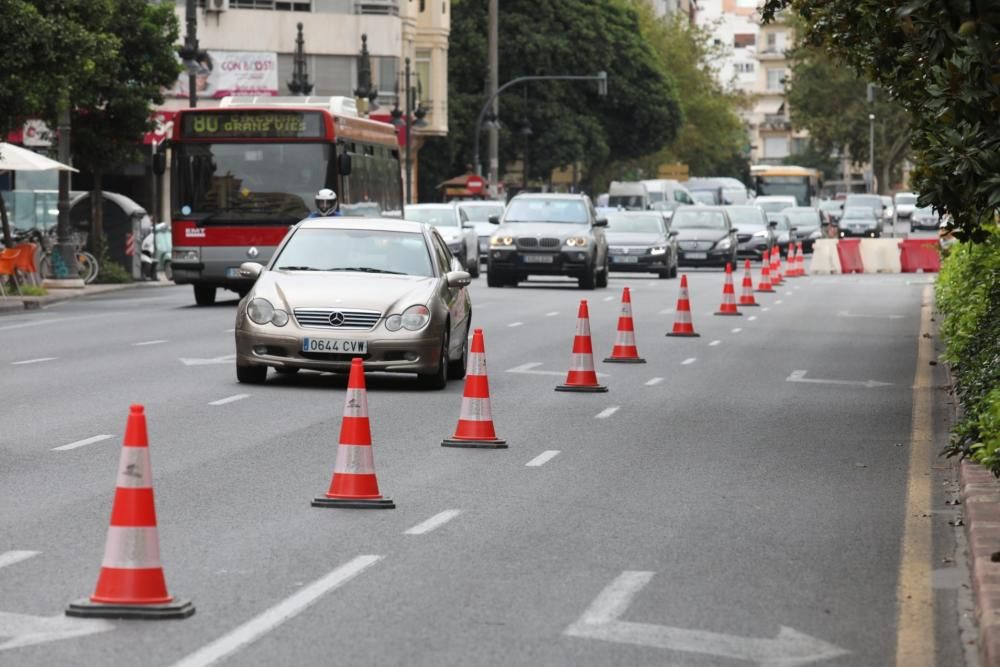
(871, 137)
(491, 91)
(189, 52)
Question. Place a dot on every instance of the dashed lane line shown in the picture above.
(435, 521)
(737, 330)
(666, 311)
(285, 610)
(764, 310)
(653, 381)
(751, 318)
(689, 361)
(230, 399)
(32, 361)
(149, 342)
(714, 343)
(82, 443)
(609, 298)
(552, 313)
(515, 324)
(12, 557)
(777, 302)
(542, 458)
(607, 412)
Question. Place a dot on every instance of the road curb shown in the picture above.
(981, 499)
(55, 295)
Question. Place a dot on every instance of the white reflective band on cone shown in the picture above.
(356, 403)
(477, 363)
(130, 548)
(626, 338)
(684, 316)
(133, 468)
(476, 410)
(583, 327)
(582, 362)
(355, 460)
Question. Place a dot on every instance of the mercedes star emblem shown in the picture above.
(336, 318)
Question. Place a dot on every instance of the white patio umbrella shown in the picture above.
(15, 158)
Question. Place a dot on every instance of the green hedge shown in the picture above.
(968, 295)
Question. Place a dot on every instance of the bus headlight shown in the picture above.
(185, 255)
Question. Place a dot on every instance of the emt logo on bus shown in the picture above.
(230, 124)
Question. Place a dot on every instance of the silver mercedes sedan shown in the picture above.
(388, 291)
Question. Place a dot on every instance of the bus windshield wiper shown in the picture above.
(365, 269)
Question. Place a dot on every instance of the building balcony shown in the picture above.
(776, 122)
(771, 54)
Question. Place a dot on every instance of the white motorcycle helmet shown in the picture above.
(326, 201)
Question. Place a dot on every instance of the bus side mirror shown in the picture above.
(344, 164)
(159, 163)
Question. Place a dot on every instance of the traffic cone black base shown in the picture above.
(736, 314)
(475, 444)
(747, 305)
(84, 608)
(354, 503)
(585, 389)
(629, 360)
(683, 335)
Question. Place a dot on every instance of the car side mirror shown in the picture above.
(494, 219)
(734, 230)
(251, 270)
(673, 232)
(468, 225)
(773, 224)
(601, 222)
(793, 229)
(344, 164)
(458, 278)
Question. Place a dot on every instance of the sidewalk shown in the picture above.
(981, 501)
(17, 304)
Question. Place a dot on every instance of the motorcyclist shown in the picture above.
(326, 204)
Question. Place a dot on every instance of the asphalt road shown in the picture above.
(705, 509)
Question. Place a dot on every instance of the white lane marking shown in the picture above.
(609, 298)
(528, 369)
(230, 330)
(149, 342)
(607, 412)
(224, 359)
(435, 521)
(800, 376)
(751, 318)
(82, 443)
(714, 343)
(38, 323)
(601, 620)
(737, 330)
(26, 630)
(11, 557)
(845, 313)
(689, 361)
(764, 310)
(32, 361)
(230, 399)
(653, 381)
(256, 627)
(777, 302)
(552, 313)
(542, 458)
(666, 311)
(515, 324)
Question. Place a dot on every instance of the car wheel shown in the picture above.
(439, 378)
(456, 369)
(494, 278)
(674, 268)
(665, 274)
(473, 268)
(602, 277)
(251, 374)
(204, 295)
(286, 370)
(588, 280)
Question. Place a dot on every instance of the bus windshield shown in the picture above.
(250, 181)
(796, 186)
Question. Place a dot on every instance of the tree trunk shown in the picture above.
(895, 152)
(7, 240)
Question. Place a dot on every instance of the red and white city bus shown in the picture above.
(245, 171)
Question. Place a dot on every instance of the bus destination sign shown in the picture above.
(256, 124)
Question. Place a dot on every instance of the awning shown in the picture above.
(768, 107)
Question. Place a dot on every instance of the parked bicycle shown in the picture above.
(86, 262)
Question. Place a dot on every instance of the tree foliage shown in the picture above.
(939, 60)
(830, 101)
(569, 120)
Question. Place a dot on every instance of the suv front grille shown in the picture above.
(354, 320)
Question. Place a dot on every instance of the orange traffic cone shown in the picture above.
(354, 484)
(776, 277)
(764, 285)
(683, 326)
(746, 299)
(475, 421)
(800, 258)
(728, 306)
(581, 376)
(793, 261)
(624, 351)
(131, 583)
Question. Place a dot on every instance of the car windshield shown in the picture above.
(926, 211)
(773, 206)
(873, 201)
(438, 216)
(363, 250)
(906, 200)
(781, 219)
(704, 197)
(862, 212)
(635, 224)
(803, 217)
(744, 217)
(628, 201)
(571, 211)
(481, 213)
(685, 218)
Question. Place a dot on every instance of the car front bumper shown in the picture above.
(564, 262)
(704, 257)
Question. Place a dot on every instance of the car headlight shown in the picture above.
(501, 241)
(760, 235)
(260, 311)
(577, 242)
(394, 322)
(724, 244)
(658, 250)
(185, 255)
(416, 317)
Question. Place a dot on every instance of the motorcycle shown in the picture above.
(160, 234)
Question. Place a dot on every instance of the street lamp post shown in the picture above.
(871, 151)
(365, 94)
(602, 89)
(414, 118)
(299, 85)
(189, 52)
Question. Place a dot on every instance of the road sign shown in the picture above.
(677, 172)
(474, 184)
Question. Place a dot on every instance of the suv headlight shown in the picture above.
(658, 250)
(577, 242)
(724, 244)
(185, 255)
(760, 235)
(500, 241)
(260, 311)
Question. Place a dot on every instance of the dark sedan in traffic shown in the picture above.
(705, 236)
(756, 234)
(640, 242)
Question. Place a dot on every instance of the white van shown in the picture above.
(668, 190)
(629, 195)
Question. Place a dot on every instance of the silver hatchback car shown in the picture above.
(388, 291)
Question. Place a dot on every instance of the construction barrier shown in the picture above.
(919, 255)
(880, 255)
(849, 253)
(824, 257)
